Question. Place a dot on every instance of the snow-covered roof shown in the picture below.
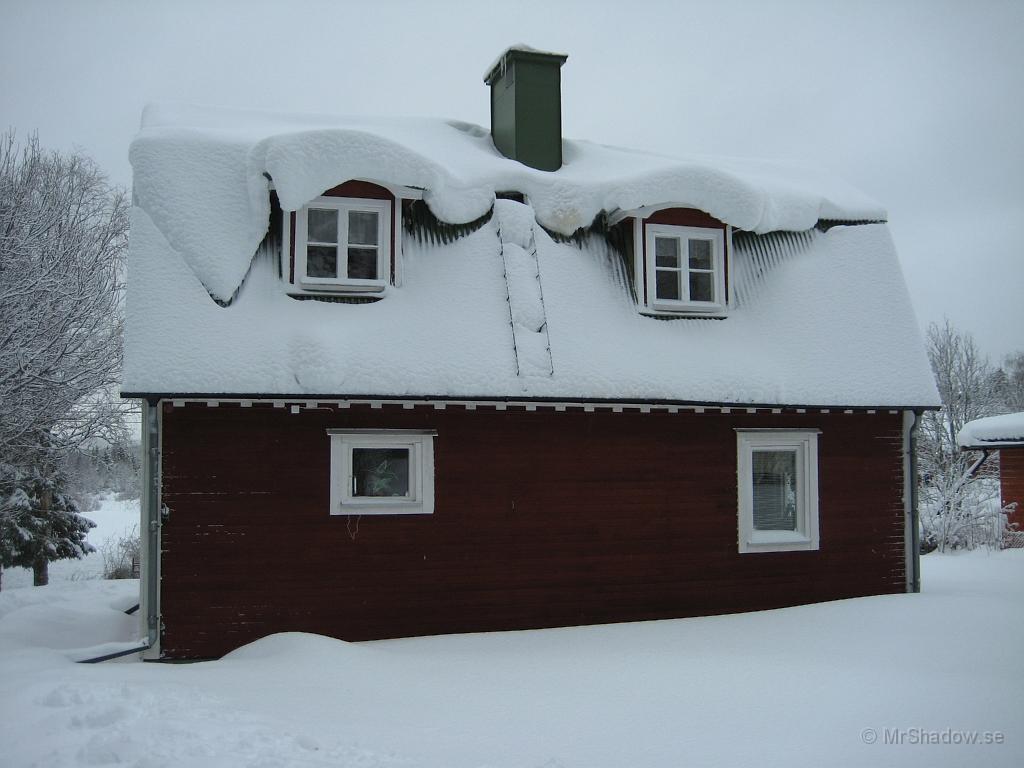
(993, 432)
(822, 318)
(202, 175)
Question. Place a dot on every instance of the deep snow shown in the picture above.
(798, 686)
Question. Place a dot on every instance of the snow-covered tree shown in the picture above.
(63, 234)
(42, 523)
(960, 507)
(1011, 382)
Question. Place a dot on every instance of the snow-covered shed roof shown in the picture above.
(820, 318)
(1004, 431)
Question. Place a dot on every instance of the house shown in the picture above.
(1004, 436)
(404, 377)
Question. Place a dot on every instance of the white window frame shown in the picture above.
(420, 445)
(805, 444)
(684, 305)
(343, 205)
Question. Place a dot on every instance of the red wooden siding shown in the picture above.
(542, 519)
(681, 217)
(1011, 478)
(684, 217)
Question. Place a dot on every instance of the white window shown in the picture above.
(778, 490)
(382, 472)
(343, 243)
(685, 269)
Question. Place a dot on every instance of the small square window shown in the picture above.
(342, 244)
(666, 251)
(382, 472)
(700, 253)
(323, 226)
(362, 227)
(778, 490)
(687, 272)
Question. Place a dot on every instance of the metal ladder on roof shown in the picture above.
(527, 314)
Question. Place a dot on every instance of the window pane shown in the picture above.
(362, 228)
(667, 284)
(666, 252)
(362, 263)
(321, 261)
(323, 226)
(380, 471)
(700, 254)
(701, 287)
(774, 490)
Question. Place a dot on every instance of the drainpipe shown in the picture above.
(151, 520)
(911, 420)
(915, 518)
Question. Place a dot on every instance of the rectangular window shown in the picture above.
(778, 490)
(688, 270)
(382, 472)
(342, 243)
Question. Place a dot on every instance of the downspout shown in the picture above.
(118, 654)
(151, 520)
(914, 584)
(977, 465)
(148, 606)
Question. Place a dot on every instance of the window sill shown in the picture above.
(717, 313)
(414, 508)
(778, 541)
(353, 289)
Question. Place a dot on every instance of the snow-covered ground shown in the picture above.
(832, 684)
(113, 519)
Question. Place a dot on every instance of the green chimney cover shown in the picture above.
(526, 106)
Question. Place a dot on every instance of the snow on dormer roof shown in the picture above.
(820, 318)
(202, 175)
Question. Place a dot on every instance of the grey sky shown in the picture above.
(917, 103)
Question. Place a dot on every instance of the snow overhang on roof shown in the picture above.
(1006, 431)
(820, 317)
(203, 176)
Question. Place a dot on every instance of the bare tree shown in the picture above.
(63, 235)
(1011, 382)
(960, 504)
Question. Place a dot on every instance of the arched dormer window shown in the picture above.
(343, 241)
(680, 260)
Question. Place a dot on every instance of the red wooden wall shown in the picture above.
(542, 519)
(1011, 478)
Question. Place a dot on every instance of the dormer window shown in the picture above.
(343, 243)
(685, 269)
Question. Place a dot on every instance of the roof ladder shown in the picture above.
(530, 340)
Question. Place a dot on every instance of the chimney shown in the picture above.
(526, 106)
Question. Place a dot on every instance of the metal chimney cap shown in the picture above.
(521, 51)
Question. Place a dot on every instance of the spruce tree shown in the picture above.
(42, 523)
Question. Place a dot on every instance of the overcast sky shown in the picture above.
(920, 104)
